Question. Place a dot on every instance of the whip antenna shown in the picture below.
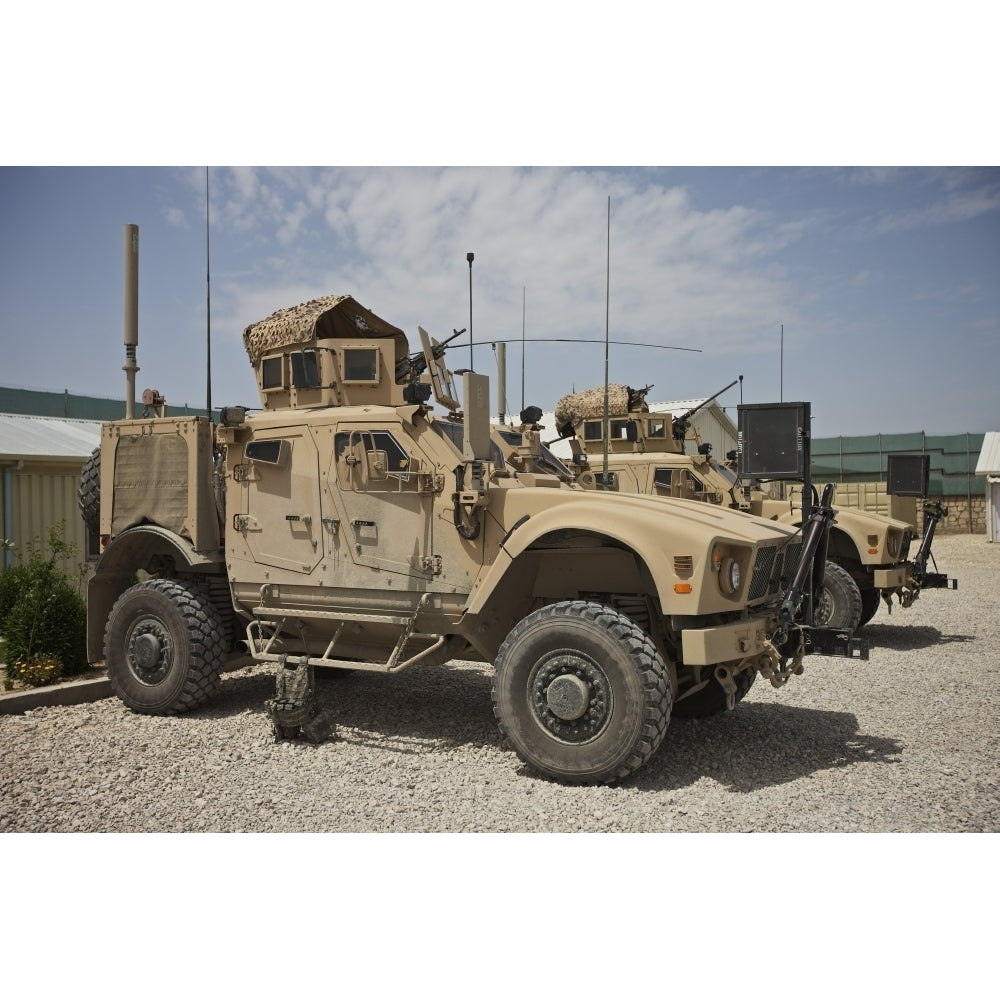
(607, 314)
(208, 311)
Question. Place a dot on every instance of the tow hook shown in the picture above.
(725, 677)
(293, 710)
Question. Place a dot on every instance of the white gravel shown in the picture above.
(904, 742)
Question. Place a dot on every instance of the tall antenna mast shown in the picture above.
(524, 295)
(781, 367)
(470, 257)
(607, 323)
(208, 311)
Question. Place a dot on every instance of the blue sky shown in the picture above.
(884, 280)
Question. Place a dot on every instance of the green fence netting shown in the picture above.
(865, 459)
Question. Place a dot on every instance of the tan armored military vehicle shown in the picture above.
(867, 553)
(351, 524)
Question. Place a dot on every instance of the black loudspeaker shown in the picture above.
(773, 440)
(908, 475)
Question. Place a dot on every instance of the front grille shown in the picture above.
(773, 569)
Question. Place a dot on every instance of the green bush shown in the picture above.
(43, 618)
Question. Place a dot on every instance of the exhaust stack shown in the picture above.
(131, 315)
(502, 379)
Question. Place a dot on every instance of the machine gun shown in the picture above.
(682, 424)
(637, 396)
(410, 368)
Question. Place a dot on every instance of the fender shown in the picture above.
(689, 529)
(136, 548)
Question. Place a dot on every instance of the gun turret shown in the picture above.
(682, 424)
(636, 397)
(414, 365)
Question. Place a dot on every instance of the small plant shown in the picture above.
(43, 618)
(36, 671)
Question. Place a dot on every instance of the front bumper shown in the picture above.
(724, 643)
(751, 638)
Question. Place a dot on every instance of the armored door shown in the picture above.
(281, 509)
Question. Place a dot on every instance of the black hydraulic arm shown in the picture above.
(934, 511)
(811, 570)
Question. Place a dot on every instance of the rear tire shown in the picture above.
(163, 646)
(581, 693)
(839, 604)
(88, 494)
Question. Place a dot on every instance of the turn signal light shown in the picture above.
(682, 588)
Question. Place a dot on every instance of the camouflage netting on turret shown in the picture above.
(589, 405)
(330, 316)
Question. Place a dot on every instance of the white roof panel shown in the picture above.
(989, 456)
(24, 437)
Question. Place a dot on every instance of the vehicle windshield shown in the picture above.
(727, 474)
(546, 461)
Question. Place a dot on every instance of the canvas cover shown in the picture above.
(330, 316)
(151, 483)
(589, 405)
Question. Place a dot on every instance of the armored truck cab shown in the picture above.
(351, 524)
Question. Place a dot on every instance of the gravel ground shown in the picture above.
(906, 741)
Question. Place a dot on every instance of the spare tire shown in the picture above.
(89, 492)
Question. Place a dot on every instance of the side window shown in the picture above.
(305, 371)
(271, 373)
(373, 460)
(391, 455)
(661, 477)
(656, 428)
(361, 364)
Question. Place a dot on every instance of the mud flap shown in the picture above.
(293, 710)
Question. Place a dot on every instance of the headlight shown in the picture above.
(729, 577)
(892, 544)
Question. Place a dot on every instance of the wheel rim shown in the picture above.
(570, 696)
(149, 650)
(824, 609)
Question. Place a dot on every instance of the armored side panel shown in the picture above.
(159, 471)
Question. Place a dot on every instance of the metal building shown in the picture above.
(40, 463)
(989, 466)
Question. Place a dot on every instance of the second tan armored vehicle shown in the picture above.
(350, 524)
(868, 554)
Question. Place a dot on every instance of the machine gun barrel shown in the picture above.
(414, 364)
(680, 424)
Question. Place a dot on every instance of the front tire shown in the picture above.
(870, 600)
(839, 604)
(164, 647)
(581, 693)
